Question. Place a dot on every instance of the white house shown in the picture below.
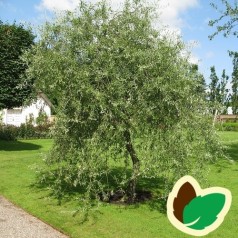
(229, 111)
(20, 115)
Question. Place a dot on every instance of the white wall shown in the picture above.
(229, 110)
(17, 116)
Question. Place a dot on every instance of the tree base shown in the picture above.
(120, 197)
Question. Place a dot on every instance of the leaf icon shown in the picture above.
(203, 211)
(185, 194)
(197, 211)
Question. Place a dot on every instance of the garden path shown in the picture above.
(16, 223)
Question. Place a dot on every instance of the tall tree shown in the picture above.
(228, 19)
(223, 97)
(227, 24)
(201, 83)
(126, 94)
(213, 86)
(218, 92)
(14, 40)
(234, 82)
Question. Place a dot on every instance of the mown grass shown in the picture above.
(17, 175)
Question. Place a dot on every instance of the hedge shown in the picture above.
(25, 131)
(227, 126)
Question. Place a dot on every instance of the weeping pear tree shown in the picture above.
(129, 108)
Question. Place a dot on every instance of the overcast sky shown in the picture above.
(188, 17)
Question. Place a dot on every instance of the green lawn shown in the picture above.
(17, 162)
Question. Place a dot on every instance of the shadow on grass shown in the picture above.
(232, 151)
(18, 146)
(154, 185)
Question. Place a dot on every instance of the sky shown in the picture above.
(189, 18)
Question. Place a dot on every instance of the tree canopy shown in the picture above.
(128, 101)
(14, 40)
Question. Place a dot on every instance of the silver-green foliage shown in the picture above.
(226, 23)
(129, 107)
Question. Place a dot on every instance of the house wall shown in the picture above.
(18, 116)
(229, 110)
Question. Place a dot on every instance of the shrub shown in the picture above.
(25, 131)
(42, 119)
(8, 132)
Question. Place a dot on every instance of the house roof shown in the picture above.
(39, 95)
(46, 99)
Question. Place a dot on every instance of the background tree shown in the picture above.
(201, 83)
(14, 40)
(223, 97)
(227, 22)
(218, 92)
(213, 86)
(234, 82)
(128, 104)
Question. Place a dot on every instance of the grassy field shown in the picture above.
(17, 162)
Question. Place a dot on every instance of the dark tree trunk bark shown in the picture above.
(131, 189)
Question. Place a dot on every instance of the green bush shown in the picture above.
(8, 132)
(42, 119)
(25, 131)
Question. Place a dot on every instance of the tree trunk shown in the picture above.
(131, 189)
(215, 117)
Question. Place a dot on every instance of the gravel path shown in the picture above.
(16, 223)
